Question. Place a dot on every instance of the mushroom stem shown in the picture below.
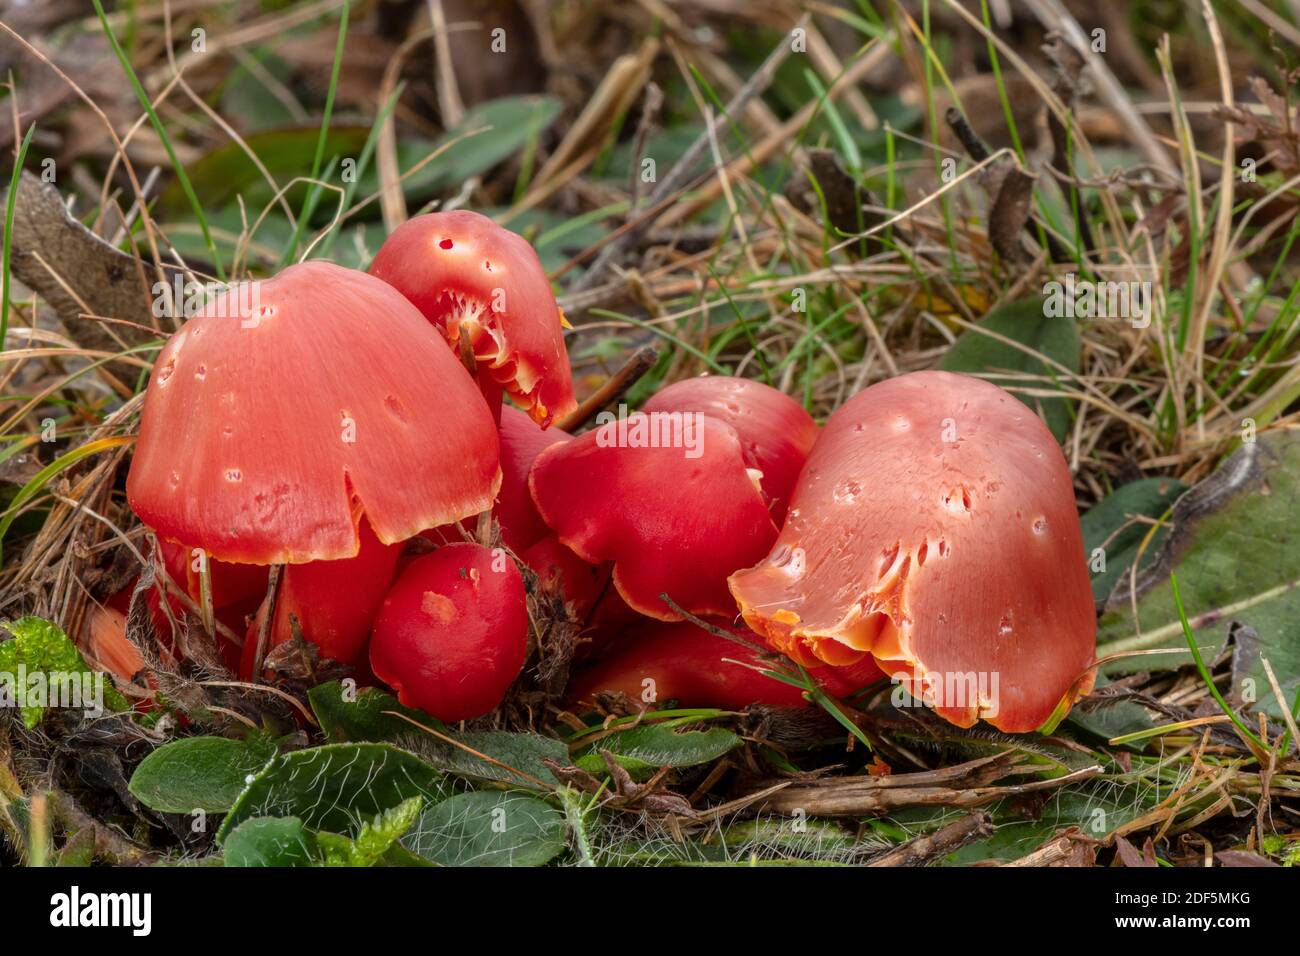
(641, 361)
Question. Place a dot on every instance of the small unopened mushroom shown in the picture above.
(675, 516)
(452, 634)
(776, 432)
(473, 278)
(934, 527)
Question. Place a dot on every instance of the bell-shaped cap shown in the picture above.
(288, 407)
(934, 527)
(470, 276)
(672, 505)
(776, 432)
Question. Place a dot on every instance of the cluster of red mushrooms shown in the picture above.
(352, 429)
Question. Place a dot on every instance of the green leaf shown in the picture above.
(375, 839)
(365, 719)
(644, 749)
(226, 171)
(489, 828)
(522, 752)
(508, 125)
(362, 718)
(1022, 321)
(40, 666)
(1110, 525)
(271, 841)
(337, 787)
(1113, 718)
(199, 773)
(1234, 549)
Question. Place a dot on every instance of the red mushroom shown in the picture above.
(934, 527)
(522, 440)
(277, 420)
(776, 432)
(334, 602)
(230, 583)
(675, 516)
(452, 634)
(470, 276)
(658, 662)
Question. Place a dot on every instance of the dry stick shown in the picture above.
(974, 146)
(681, 170)
(642, 360)
(264, 628)
(1053, 15)
(974, 826)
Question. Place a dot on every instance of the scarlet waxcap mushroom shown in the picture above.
(470, 276)
(560, 571)
(674, 520)
(776, 432)
(334, 602)
(934, 527)
(522, 440)
(658, 662)
(452, 634)
(273, 419)
(107, 645)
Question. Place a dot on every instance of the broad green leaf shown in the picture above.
(1024, 322)
(644, 749)
(226, 171)
(271, 841)
(363, 717)
(40, 667)
(246, 96)
(505, 126)
(1112, 718)
(488, 828)
(522, 752)
(199, 773)
(336, 787)
(508, 125)
(1110, 525)
(366, 718)
(375, 839)
(1234, 550)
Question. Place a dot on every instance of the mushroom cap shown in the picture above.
(934, 527)
(671, 523)
(267, 431)
(776, 432)
(522, 440)
(467, 274)
(452, 634)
